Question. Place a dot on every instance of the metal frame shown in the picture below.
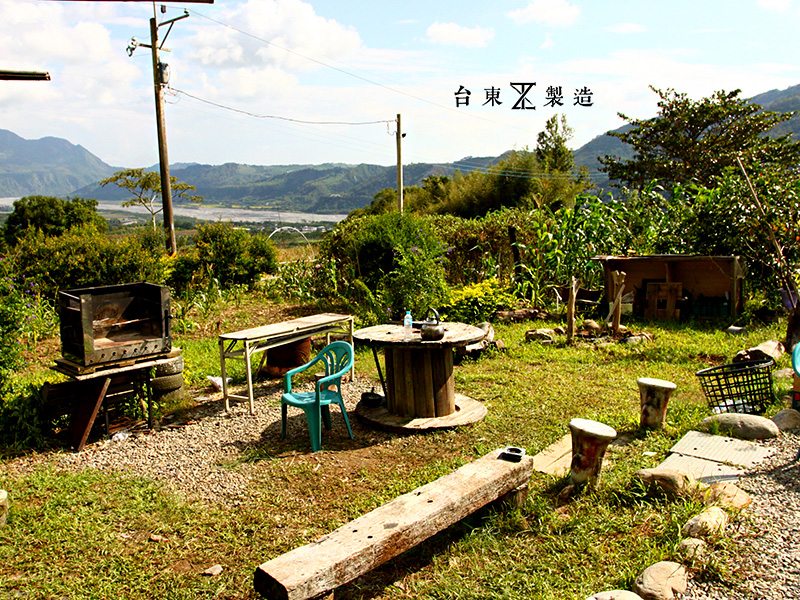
(243, 345)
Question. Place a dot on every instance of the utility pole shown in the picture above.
(161, 128)
(160, 79)
(399, 136)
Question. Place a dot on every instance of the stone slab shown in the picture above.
(556, 458)
(703, 470)
(721, 449)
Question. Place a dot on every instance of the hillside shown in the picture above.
(54, 166)
(49, 166)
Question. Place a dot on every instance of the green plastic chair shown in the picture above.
(338, 360)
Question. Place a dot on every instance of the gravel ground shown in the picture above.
(190, 456)
(766, 536)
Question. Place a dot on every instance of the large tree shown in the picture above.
(145, 186)
(693, 141)
(51, 215)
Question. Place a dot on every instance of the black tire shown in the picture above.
(172, 367)
(167, 383)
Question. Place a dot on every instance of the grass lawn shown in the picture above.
(94, 534)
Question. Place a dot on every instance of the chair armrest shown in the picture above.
(287, 377)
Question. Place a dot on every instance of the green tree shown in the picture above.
(146, 189)
(551, 150)
(693, 141)
(52, 216)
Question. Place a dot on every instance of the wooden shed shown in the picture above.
(672, 286)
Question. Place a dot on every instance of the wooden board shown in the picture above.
(456, 334)
(556, 458)
(389, 530)
(276, 330)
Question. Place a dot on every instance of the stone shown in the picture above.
(661, 581)
(692, 548)
(213, 571)
(615, 595)
(671, 483)
(727, 495)
(788, 418)
(592, 326)
(540, 335)
(709, 523)
(742, 426)
(3, 507)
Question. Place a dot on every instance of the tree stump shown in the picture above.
(589, 442)
(653, 399)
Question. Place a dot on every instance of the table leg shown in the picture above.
(249, 375)
(224, 375)
(83, 415)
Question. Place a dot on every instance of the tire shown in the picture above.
(167, 383)
(172, 367)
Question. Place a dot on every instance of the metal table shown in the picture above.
(243, 345)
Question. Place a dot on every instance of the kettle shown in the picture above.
(432, 331)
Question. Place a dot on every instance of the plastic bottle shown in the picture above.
(407, 324)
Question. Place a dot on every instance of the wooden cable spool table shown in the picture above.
(419, 386)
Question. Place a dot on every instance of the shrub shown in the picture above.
(383, 265)
(50, 215)
(232, 256)
(84, 257)
(477, 302)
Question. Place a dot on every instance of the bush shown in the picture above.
(52, 216)
(84, 257)
(477, 302)
(232, 256)
(383, 265)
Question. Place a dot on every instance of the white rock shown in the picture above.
(661, 581)
(746, 427)
(788, 418)
(709, 523)
(728, 495)
(672, 483)
(692, 548)
(615, 595)
(213, 571)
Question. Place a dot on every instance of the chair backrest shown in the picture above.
(796, 359)
(338, 358)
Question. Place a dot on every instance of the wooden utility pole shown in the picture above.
(399, 136)
(161, 128)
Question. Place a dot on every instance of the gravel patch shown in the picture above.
(194, 457)
(766, 536)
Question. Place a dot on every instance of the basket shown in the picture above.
(743, 387)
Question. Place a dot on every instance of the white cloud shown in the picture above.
(283, 33)
(780, 5)
(625, 28)
(547, 43)
(547, 12)
(452, 34)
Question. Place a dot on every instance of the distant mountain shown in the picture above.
(775, 100)
(54, 166)
(329, 188)
(49, 166)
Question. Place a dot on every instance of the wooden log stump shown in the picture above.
(589, 442)
(653, 399)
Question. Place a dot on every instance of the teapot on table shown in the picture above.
(432, 331)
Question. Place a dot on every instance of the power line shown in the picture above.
(258, 116)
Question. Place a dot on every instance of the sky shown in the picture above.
(306, 82)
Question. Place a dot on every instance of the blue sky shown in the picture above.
(233, 64)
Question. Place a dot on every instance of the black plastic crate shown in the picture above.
(742, 387)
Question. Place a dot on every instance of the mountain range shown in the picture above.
(54, 166)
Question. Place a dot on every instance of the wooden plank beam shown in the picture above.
(389, 530)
